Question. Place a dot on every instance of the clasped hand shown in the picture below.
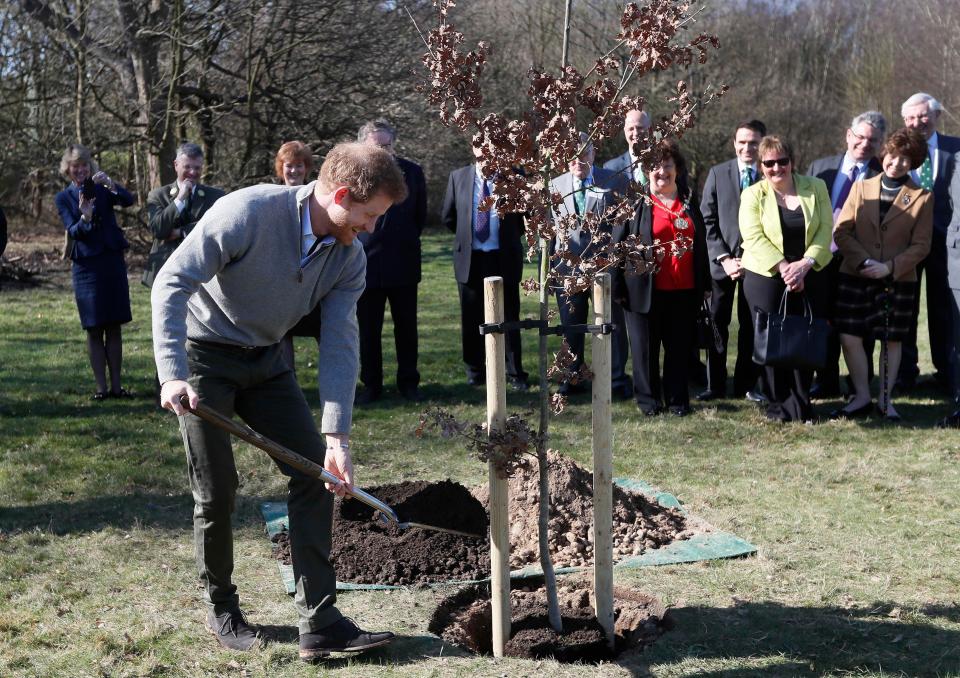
(732, 267)
(874, 269)
(794, 273)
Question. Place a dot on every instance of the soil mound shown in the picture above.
(639, 524)
(443, 504)
(464, 619)
(368, 552)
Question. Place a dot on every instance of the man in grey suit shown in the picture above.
(952, 420)
(585, 189)
(626, 167)
(485, 244)
(721, 209)
(173, 210)
(839, 172)
(922, 112)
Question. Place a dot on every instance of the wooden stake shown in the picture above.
(499, 490)
(602, 462)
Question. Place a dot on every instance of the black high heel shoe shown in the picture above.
(859, 413)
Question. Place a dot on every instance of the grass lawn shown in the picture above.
(858, 524)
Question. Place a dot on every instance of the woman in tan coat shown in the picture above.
(883, 232)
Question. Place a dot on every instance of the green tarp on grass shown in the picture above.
(708, 546)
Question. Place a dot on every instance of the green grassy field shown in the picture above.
(857, 524)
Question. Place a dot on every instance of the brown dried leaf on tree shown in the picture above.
(504, 449)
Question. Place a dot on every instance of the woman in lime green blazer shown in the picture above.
(786, 224)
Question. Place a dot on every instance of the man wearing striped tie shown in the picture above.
(721, 209)
(839, 172)
(922, 112)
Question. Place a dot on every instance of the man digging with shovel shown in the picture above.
(259, 260)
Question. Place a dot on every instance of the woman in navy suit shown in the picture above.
(99, 270)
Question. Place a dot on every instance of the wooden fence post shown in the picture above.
(499, 489)
(602, 461)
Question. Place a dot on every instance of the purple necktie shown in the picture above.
(481, 220)
(842, 198)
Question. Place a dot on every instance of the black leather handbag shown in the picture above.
(708, 336)
(790, 341)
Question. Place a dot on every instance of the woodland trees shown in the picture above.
(131, 79)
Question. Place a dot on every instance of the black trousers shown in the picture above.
(370, 313)
(670, 323)
(573, 311)
(789, 390)
(939, 322)
(829, 376)
(259, 386)
(483, 265)
(745, 371)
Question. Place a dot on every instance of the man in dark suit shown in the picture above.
(922, 112)
(393, 272)
(486, 244)
(720, 206)
(173, 210)
(587, 190)
(626, 166)
(839, 172)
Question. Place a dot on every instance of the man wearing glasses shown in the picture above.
(839, 172)
(393, 274)
(922, 112)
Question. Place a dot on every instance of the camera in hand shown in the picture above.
(88, 189)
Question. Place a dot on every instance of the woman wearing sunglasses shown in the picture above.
(786, 223)
(883, 232)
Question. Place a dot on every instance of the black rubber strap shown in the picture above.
(501, 328)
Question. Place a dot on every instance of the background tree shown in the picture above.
(242, 76)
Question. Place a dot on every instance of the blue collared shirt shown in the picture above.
(308, 238)
(493, 242)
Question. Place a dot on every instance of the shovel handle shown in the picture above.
(284, 454)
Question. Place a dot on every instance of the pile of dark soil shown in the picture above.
(464, 619)
(368, 552)
(638, 523)
(281, 546)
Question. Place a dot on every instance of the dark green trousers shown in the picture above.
(256, 384)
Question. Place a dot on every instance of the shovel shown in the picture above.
(382, 512)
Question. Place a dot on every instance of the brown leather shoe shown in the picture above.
(232, 630)
(341, 636)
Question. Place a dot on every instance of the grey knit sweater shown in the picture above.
(237, 279)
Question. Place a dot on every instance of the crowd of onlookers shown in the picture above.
(849, 240)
